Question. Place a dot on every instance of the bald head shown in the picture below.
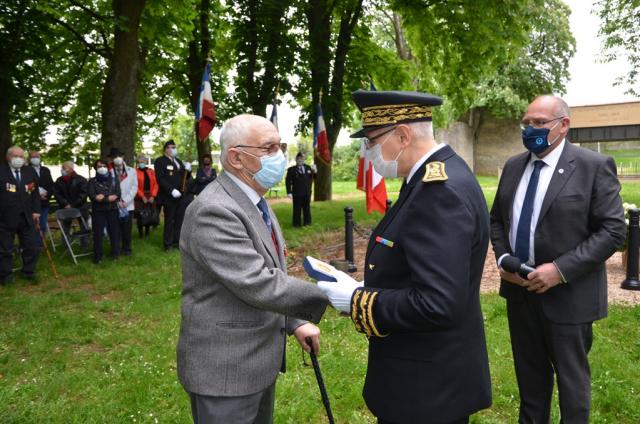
(557, 106)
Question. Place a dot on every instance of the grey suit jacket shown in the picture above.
(581, 224)
(236, 296)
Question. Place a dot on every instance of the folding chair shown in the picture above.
(74, 237)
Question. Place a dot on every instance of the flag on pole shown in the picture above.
(320, 141)
(205, 109)
(274, 113)
(372, 184)
(372, 87)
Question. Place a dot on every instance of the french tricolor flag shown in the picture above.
(320, 141)
(205, 109)
(372, 184)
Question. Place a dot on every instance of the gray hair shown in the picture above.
(422, 130)
(12, 148)
(144, 157)
(236, 130)
(561, 108)
(69, 163)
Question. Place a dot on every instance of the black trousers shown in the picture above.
(542, 348)
(301, 206)
(464, 420)
(125, 232)
(106, 219)
(27, 235)
(173, 216)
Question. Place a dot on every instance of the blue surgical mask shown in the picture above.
(173, 152)
(142, 165)
(535, 139)
(272, 169)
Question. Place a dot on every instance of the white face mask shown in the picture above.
(35, 161)
(17, 162)
(386, 168)
(118, 161)
(102, 170)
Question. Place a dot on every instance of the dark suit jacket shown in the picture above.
(433, 365)
(46, 182)
(73, 193)
(299, 184)
(202, 180)
(168, 178)
(18, 201)
(581, 224)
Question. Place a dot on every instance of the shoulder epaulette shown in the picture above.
(434, 171)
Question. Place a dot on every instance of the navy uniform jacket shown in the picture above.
(168, 178)
(46, 182)
(18, 201)
(420, 305)
(297, 183)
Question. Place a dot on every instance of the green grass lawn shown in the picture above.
(99, 346)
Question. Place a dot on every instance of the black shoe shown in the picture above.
(126, 253)
(168, 248)
(97, 261)
(7, 280)
(33, 278)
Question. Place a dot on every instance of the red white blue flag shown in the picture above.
(274, 114)
(320, 141)
(205, 109)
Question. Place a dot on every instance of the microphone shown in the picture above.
(513, 264)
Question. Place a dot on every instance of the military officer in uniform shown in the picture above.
(169, 172)
(298, 182)
(420, 305)
(19, 208)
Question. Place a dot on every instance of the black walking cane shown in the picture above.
(323, 390)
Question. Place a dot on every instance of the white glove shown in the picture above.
(187, 166)
(290, 196)
(340, 292)
(314, 168)
(175, 193)
(42, 191)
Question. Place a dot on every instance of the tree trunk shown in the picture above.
(198, 53)
(120, 93)
(6, 139)
(402, 47)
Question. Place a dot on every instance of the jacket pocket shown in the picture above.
(239, 324)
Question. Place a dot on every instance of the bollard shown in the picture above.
(389, 202)
(348, 239)
(631, 282)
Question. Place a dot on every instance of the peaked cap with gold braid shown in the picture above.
(383, 108)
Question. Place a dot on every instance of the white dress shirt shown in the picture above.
(546, 172)
(251, 193)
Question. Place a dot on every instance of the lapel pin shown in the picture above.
(371, 266)
(560, 171)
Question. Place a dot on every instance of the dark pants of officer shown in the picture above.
(542, 348)
(301, 204)
(108, 219)
(464, 420)
(172, 222)
(125, 233)
(27, 235)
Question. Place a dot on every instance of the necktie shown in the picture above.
(264, 209)
(524, 225)
(17, 176)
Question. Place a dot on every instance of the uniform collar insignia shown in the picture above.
(434, 171)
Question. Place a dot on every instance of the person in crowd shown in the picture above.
(20, 205)
(70, 191)
(147, 193)
(206, 174)
(169, 172)
(188, 190)
(299, 181)
(237, 299)
(104, 193)
(128, 189)
(557, 210)
(45, 190)
(420, 303)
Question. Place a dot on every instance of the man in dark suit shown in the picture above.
(19, 208)
(557, 209)
(169, 172)
(45, 188)
(420, 304)
(71, 191)
(298, 182)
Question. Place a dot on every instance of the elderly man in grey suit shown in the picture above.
(558, 210)
(237, 300)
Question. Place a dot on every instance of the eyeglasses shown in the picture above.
(269, 149)
(537, 123)
(368, 141)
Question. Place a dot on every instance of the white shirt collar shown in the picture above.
(250, 192)
(423, 159)
(551, 160)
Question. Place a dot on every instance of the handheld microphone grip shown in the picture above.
(513, 264)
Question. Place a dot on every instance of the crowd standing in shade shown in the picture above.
(128, 188)
(145, 200)
(169, 172)
(104, 192)
(45, 190)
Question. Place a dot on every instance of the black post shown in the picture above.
(389, 202)
(631, 282)
(348, 239)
